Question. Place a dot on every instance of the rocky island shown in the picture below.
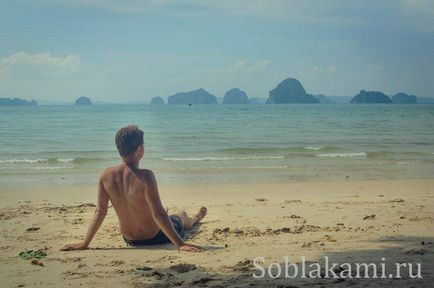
(17, 102)
(199, 96)
(403, 98)
(370, 97)
(157, 101)
(290, 91)
(83, 101)
(235, 96)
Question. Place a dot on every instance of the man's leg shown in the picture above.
(188, 221)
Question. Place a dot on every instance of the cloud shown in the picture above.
(325, 70)
(42, 76)
(244, 66)
(40, 63)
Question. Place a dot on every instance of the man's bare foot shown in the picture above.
(199, 215)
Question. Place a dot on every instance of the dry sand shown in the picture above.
(349, 221)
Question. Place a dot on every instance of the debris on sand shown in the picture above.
(369, 217)
(143, 268)
(329, 238)
(243, 265)
(37, 263)
(397, 200)
(87, 205)
(292, 201)
(32, 229)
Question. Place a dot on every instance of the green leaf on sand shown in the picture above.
(30, 254)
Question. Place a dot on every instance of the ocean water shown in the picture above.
(220, 143)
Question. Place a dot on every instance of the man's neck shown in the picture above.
(132, 164)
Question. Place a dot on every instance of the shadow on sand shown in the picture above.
(387, 252)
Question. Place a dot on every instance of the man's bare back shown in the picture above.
(134, 195)
(127, 192)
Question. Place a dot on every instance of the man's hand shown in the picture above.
(76, 246)
(190, 248)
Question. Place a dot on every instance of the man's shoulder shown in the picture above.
(109, 171)
(148, 173)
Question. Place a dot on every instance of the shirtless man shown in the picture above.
(134, 195)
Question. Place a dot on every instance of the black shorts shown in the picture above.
(160, 238)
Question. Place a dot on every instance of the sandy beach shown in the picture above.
(348, 221)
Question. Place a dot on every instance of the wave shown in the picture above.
(258, 157)
(264, 150)
(77, 160)
(315, 148)
(342, 155)
(36, 168)
(23, 161)
(283, 167)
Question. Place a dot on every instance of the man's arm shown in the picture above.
(161, 217)
(98, 218)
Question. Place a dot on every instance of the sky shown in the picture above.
(133, 50)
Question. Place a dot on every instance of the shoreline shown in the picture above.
(77, 193)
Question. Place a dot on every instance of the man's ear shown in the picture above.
(139, 151)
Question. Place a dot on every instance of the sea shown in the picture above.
(209, 144)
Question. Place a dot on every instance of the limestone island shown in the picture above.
(290, 91)
(403, 98)
(157, 101)
(83, 101)
(17, 102)
(370, 97)
(235, 96)
(199, 96)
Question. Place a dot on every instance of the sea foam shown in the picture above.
(23, 161)
(258, 157)
(342, 155)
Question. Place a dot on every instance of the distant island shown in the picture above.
(235, 96)
(290, 91)
(199, 96)
(425, 100)
(17, 102)
(371, 97)
(403, 98)
(157, 101)
(83, 101)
